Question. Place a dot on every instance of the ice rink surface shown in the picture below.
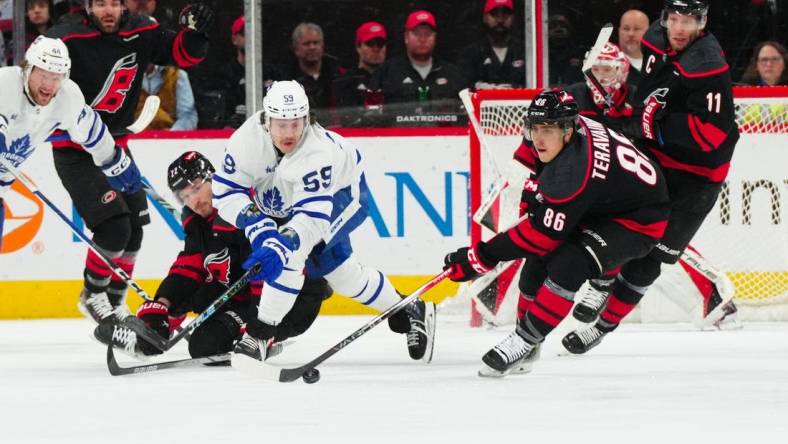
(644, 384)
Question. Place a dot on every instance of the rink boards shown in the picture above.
(420, 210)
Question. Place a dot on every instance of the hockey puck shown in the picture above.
(311, 376)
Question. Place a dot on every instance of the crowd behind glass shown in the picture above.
(380, 63)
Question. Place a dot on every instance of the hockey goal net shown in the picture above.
(745, 236)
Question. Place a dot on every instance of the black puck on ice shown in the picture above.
(311, 376)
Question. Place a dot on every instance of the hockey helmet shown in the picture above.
(48, 54)
(551, 107)
(186, 169)
(285, 100)
(612, 56)
(696, 8)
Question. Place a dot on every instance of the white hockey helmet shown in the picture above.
(285, 100)
(48, 54)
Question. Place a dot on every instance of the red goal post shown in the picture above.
(746, 235)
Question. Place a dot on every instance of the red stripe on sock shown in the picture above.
(616, 310)
(550, 307)
(96, 265)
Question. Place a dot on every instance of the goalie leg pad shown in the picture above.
(216, 335)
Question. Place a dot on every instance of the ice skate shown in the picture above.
(580, 341)
(594, 300)
(96, 306)
(509, 355)
(422, 330)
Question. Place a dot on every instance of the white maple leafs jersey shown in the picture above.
(299, 185)
(25, 125)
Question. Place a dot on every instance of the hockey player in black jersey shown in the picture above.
(110, 49)
(599, 203)
(208, 264)
(686, 121)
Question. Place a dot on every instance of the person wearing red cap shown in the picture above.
(351, 88)
(498, 59)
(422, 85)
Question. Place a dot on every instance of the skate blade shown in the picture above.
(429, 319)
(489, 372)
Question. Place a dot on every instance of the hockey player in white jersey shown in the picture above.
(302, 178)
(37, 98)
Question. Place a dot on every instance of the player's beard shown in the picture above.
(106, 26)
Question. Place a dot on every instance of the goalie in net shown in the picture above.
(598, 204)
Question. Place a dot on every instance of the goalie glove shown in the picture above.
(122, 173)
(197, 17)
(468, 263)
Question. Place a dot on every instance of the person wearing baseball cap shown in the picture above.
(422, 83)
(498, 59)
(351, 89)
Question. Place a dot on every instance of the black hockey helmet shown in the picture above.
(187, 168)
(552, 106)
(697, 8)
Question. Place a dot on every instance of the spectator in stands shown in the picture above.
(146, 7)
(313, 68)
(236, 78)
(565, 52)
(38, 19)
(352, 88)
(427, 86)
(498, 59)
(2, 50)
(631, 27)
(767, 65)
(171, 84)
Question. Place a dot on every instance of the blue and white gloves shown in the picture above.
(122, 173)
(274, 253)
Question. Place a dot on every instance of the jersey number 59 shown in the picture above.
(313, 183)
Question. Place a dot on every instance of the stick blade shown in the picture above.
(147, 114)
(602, 38)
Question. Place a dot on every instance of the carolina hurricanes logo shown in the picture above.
(218, 266)
(116, 85)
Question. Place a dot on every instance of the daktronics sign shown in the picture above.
(24, 213)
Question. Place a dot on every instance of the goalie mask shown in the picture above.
(188, 169)
(611, 68)
(551, 107)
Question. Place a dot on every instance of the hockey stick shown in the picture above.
(176, 212)
(92, 245)
(166, 344)
(116, 370)
(599, 45)
(149, 109)
(272, 373)
(500, 181)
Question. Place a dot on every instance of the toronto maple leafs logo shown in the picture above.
(18, 151)
(271, 203)
(218, 266)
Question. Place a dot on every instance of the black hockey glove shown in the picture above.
(154, 315)
(467, 263)
(259, 329)
(197, 17)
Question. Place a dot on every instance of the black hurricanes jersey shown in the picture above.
(209, 263)
(697, 124)
(109, 68)
(598, 176)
